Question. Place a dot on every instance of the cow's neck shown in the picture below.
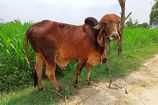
(106, 48)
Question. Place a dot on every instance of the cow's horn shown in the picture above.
(97, 26)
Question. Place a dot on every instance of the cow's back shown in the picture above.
(60, 43)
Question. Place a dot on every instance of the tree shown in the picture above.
(143, 25)
(154, 14)
(129, 24)
(134, 24)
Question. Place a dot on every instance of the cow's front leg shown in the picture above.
(88, 66)
(77, 73)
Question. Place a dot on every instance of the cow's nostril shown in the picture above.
(115, 36)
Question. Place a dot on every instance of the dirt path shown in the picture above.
(142, 88)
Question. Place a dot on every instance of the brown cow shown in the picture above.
(57, 43)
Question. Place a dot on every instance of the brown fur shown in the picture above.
(59, 43)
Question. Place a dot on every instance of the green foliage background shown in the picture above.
(14, 70)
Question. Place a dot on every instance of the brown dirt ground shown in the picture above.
(142, 88)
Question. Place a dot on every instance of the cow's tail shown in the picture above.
(28, 33)
(26, 49)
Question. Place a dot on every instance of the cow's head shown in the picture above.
(109, 28)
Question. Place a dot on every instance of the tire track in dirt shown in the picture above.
(142, 87)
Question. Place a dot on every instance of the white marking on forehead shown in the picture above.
(114, 31)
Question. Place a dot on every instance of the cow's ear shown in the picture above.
(119, 43)
(102, 26)
(100, 38)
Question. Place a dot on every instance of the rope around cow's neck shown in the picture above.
(106, 54)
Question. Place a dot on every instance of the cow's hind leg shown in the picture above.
(50, 72)
(77, 73)
(38, 69)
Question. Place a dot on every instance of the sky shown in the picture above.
(70, 11)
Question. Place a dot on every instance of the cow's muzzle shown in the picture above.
(115, 36)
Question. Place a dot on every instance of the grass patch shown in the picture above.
(122, 67)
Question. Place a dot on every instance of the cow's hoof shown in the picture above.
(75, 85)
(91, 84)
(58, 89)
(40, 89)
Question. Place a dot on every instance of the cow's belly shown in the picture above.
(62, 59)
(94, 59)
(62, 63)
